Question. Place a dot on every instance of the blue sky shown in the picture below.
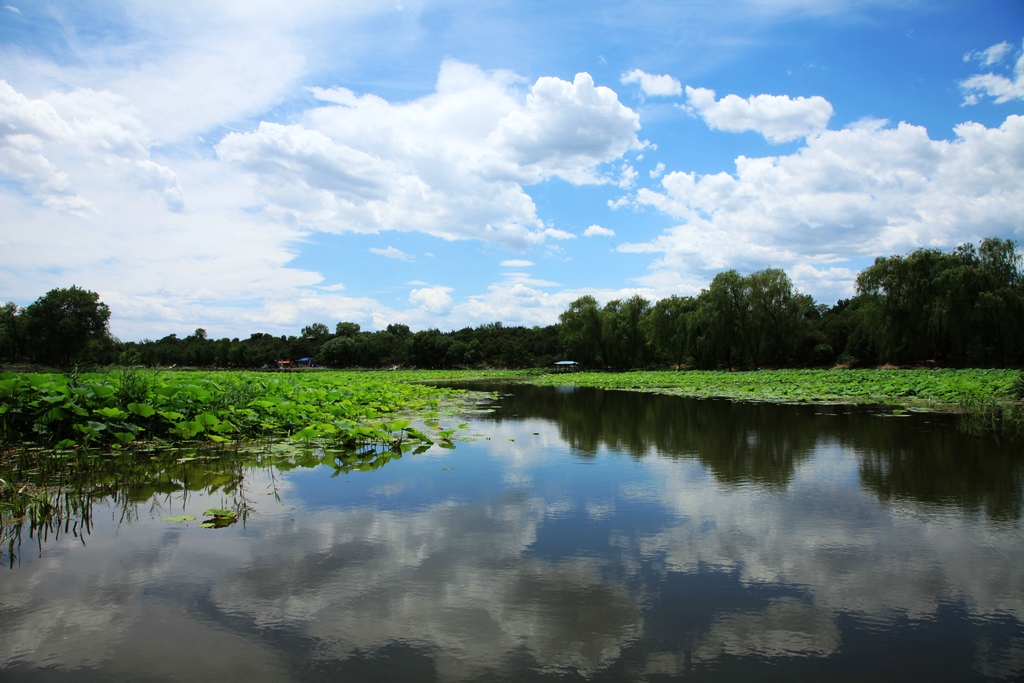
(257, 166)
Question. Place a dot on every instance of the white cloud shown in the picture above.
(195, 67)
(515, 299)
(651, 84)
(392, 252)
(12, 8)
(451, 164)
(847, 194)
(525, 279)
(657, 171)
(432, 299)
(516, 263)
(559, 234)
(627, 177)
(598, 231)
(95, 133)
(991, 55)
(1002, 88)
(566, 129)
(779, 118)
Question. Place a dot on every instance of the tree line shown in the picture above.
(961, 308)
(958, 308)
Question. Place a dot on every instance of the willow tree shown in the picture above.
(964, 307)
(580, 332)
(622, 332)
(668, 327)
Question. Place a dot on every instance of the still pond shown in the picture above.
(570, 535)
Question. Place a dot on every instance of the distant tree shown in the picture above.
(777, 320)
(965, 307)
(622, 331)
(722, 322)
(346, 329)
(580, 331)
(339, 352)
(318, 333)
(62, 322)
(12, 331)
(667, 327)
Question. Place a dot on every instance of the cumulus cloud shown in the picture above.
(651, 84)
(598, 231)
(857, 192)
(559, 234)
(392, 252)
(451, 164)
(40, 138)
(432, 299)
(516, 298)
(516, 263)
(627, 177)
(565, 129)
(1002, 88)
(779, 118)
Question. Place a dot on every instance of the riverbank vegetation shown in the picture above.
(986, 400)
(135, 408)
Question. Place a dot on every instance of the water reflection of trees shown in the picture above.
(737, 442)
(44, 496)
(942, 467)
(917, 457)
(52, 494)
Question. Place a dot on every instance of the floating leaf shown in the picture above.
(179, 518)
(218, 522)
(219, 512)
(142, 409)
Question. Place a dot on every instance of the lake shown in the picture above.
(570, 535)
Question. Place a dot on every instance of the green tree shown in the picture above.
(667, 327)
(339, 352)
(62, 322)
(12, 331)
(964, 307)
(777, 322)
(723, 321)
(344, 329)
(580, 332)
(622, 331)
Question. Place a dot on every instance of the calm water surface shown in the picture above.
(580, 536)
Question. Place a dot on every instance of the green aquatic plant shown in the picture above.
(129, 409)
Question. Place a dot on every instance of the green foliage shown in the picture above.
(62, 322)
(581, 332)
(965, 307)
(12, 331)
(130, 409)
(915, 388)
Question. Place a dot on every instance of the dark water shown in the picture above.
(581, 536)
